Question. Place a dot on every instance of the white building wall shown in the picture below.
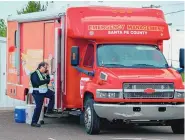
(177, 42)
(5, 101)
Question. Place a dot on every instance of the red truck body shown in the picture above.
(71, 43)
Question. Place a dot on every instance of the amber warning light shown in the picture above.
(74, 56)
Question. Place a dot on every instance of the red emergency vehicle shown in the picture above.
(107, 62)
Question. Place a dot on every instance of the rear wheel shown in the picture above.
(91, 120)
(178, 126)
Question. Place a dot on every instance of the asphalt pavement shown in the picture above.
(70, 129)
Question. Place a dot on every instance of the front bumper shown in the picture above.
(139, 112)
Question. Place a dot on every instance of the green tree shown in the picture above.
(182, 74)
(3, 28)
(33, 6)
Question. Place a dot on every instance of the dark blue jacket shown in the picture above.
(36, 82)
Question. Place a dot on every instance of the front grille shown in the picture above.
(137, 90)
(148, 85)
(143, 95)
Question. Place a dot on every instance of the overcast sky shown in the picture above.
(10, 7)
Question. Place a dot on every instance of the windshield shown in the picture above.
(131, 56)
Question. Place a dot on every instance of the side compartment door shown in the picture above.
(32, 44)
(29, 53)
(52, 47)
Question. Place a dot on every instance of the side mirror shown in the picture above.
(181, 57)
(75, 56)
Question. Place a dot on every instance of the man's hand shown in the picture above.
(47, 72)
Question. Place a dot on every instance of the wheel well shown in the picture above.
(87, 95)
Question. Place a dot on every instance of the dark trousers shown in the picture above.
(39, 100)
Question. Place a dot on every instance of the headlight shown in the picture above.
(179, 94)
(108, 94)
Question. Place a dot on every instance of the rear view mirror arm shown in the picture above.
(89, 73)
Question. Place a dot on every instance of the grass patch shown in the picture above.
(182, 74)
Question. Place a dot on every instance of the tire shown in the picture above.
(178, 126)
(82, 119)
(91, 120)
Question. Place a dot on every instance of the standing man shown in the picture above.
(39, 81)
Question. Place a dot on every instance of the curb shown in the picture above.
(6, 108)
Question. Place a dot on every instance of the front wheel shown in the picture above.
(91, 120)
(178, 126)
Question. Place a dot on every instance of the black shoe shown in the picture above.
(41, 122)
(35, 125)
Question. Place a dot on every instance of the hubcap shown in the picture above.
(87, 118)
